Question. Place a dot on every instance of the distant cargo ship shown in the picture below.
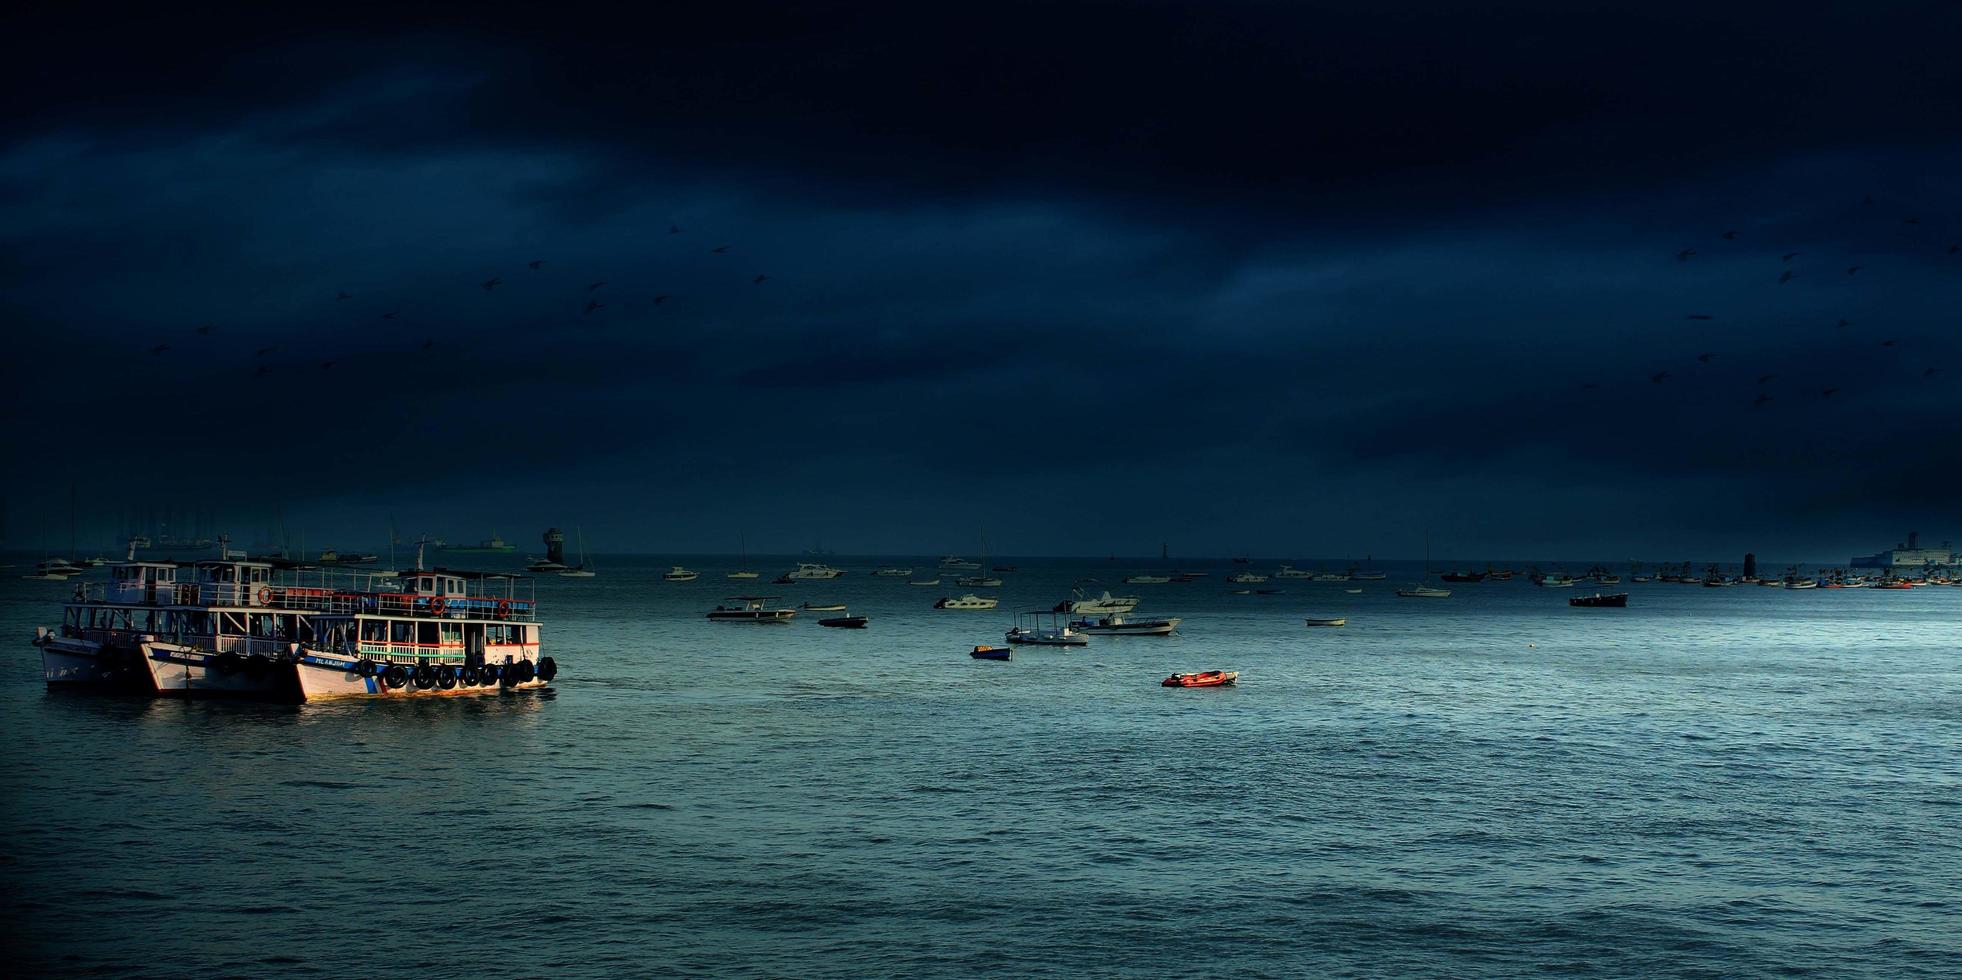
(1910, 555)
(492, 545)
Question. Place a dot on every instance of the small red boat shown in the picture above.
(1207, 678)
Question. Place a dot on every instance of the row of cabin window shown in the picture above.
(288, 626)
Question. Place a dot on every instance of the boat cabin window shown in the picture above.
(400, 631)
(426, 634)
(374, 631)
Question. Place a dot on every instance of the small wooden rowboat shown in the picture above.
(1207, 678)
(989, 653)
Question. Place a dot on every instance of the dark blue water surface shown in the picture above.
(1711, 782)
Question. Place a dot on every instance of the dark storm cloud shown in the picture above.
(1381, 251)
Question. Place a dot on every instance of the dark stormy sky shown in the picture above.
(1296, 279)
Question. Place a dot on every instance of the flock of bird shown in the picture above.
(1785, 276)
(262, 368)
(594, 303)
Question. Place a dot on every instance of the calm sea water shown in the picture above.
(1711, 782)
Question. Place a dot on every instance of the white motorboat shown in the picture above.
(750, 609)
(808, 571)
(1289, 571)
(1337, 621)
(1331, 577)
(1246, 578)
(677, 573)
(928, 584)
(893, 573)
(1105, 603)
(968, 601)
(978, 582)
(1424, 592)
(1037, 634)
(1117, 624)
(1147, 579)
(954, 561)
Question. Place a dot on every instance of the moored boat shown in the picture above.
(1106, 603)
(1118, 624)
(1036, 633)
(969, 601)
(989, 653)
(676, 573)
(1616, 600)
(750, 609)
(1337, 621)
(1207, 678)
(807, 571)
(845, 622)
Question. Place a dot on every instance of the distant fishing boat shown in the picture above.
(954, 561)
(893, 573)
(1289, 571)
(676, 573)
(1146, 579)
(1616, 600)
(969, 601)
(1037, 634)
(1105, 603)
(1246, 578)
(978, 582)
(1117, 624)
(751, 609)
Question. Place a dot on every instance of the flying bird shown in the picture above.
(1886, 343)
(1699, 316)
(1759, 401)
(1955, 250)
(759, 280)
(1910, 221)
(593, 304)
(1788, 256)
(390, 315)
(1786, 276)
(1762, 378)
(536, 264)
(262, 371)
(1730, 236)
(1931, 372)
(427, 344)
(720, 249)
(595, 285)
(1590, 386)
(1659, 377)
(1706, 358)
(342, 295)
(1684, 255)
(1843, 323)
(674, 229)
(1854, 269)
(160, 348)
(263, 351)
(326, 365)
(1829, 392)
(492, 283)
(660, 298)
(205, 329)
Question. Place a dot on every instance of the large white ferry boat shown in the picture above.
(234, 627)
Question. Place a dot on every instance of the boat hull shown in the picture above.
(328, 676)
(188, 672)
(70, 663)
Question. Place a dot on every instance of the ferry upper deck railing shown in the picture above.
(326, 599)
